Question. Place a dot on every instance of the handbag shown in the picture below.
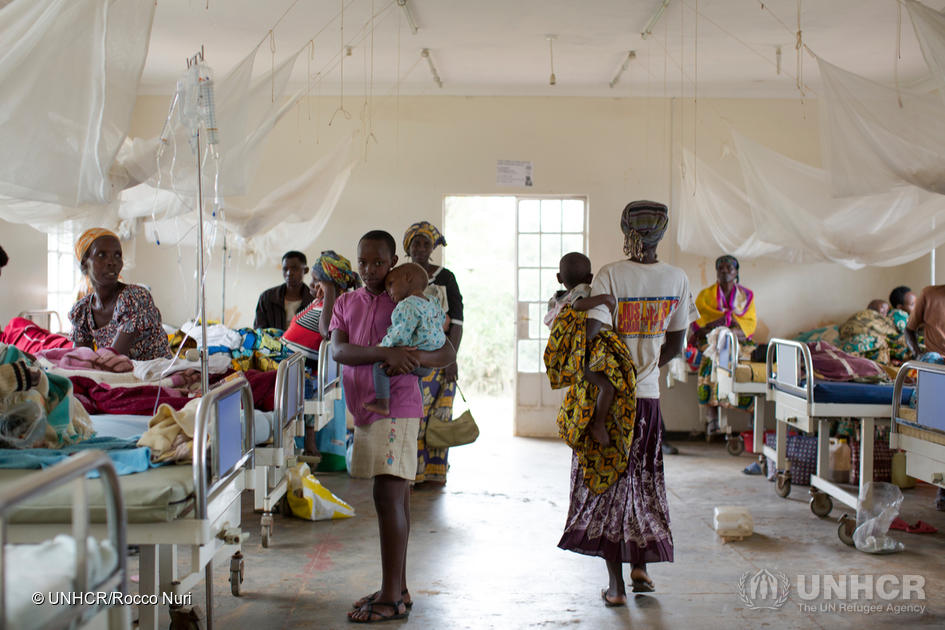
(462, 430)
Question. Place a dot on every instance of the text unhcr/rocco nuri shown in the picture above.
(115, 598)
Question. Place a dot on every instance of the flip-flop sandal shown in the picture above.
(370, 598)
(607, 602)
(921, 527)
(642, 586)
(368, 607)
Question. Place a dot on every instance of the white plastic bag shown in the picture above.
(879, 505)
(310, 500)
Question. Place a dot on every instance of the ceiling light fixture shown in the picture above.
(551, 53)
(425, 53)
(648, 29)
(412, 22)
(623, 68)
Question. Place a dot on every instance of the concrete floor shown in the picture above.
(483, 552)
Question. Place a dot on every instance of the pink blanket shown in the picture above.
(83, 358)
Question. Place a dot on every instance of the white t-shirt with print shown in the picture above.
(651, 299)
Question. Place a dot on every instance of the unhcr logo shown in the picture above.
(763, 589)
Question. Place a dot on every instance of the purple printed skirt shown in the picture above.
(629, 522)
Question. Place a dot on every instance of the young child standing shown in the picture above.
(385, 448)
(574, 272)
(417, 322)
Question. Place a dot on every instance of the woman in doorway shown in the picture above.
(439, 387)
(629, 521)
(113, 314)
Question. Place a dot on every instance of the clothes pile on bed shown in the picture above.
(245, 348)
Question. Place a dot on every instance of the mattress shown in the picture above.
(127, 426)
(856, 393)
(157, 495)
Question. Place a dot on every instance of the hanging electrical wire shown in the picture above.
(551, 54)
(898, 52)
(341, 102)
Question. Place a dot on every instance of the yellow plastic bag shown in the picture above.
(310, 500)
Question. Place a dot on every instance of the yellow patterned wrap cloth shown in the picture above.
(564, 360)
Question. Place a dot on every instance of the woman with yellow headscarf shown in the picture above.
(732, 305)
(113, 314)
(439, 387)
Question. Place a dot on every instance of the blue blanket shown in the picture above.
(127, 457)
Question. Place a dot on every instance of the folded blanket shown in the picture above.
(217, 335)
(127, 457)
(170, 434)
(83, 358)
(564, 360)
(832, 364)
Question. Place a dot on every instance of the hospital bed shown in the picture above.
(60, 565)
(920, 431)
(193, 509)
(804, 405)
(322, 406)
(731, 385)
(268, 477)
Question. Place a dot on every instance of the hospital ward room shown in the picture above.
(489, 314)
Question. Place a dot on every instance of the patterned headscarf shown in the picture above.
(333, 267)
(85, 240)
(643, 224)
(727, 259)
(426, 229)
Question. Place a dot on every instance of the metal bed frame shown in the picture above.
(795, 408)
(329, 387)
(268, 477)
(212, 526)
(728, 348)
(924, 445)
(75, 469)
(49, 314)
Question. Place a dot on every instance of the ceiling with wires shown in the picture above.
(712, 48)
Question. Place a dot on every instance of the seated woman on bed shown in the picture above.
(871, 334)
(113, 314)
(331, 276)
(725, 303)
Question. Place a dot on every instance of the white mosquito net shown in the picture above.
(69, 71)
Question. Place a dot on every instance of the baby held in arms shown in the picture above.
(416, 322)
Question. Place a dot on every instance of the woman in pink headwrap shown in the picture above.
(113, 314)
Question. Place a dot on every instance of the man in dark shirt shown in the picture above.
(277, 306)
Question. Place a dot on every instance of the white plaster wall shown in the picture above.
(23, 282)
(611, 150)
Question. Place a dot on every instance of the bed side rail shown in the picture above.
(49, 314)
(290, 394)
(930, 379)
(74, 468)
(728, 348)
(783, 353)
(225, 414)
(329, 371)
